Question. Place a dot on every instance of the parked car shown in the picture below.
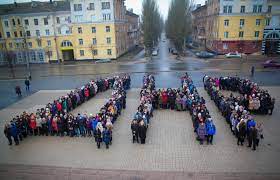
(103, 61)
(233, 55)
(174, 51)
(154, 53)
(271, 63)
(204, 54)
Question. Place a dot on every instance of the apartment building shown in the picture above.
(41, 32)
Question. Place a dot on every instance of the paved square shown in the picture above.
(170, 146)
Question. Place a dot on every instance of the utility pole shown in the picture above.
(26, 53)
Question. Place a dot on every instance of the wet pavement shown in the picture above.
(165, 67)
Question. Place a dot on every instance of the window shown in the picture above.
(242, 9)
(0, 35)
(108, 29)
(226, 22)
(49, 53)
(49, 42)
(242, 22)
(33, 56)
(94, 41)
(108, 40)
(18, 21)
(57, 20)
(106, 17)
(15, 34)
(59, 30)
(47, 32)
(41, 56)
(82, 52)
(11, 45)
(19, 57)
(229, 9)
(8, 34)
(20, 33)
(258, 22)
(93, 29)
(36, 22)
(28, 33)
(226, 34)
(257, 33)
(80, 30)
(46, 21)
(105, 5)
(39, 42)
(91, 6)
(14, 22)
(81, 42)
(269, 8)
(26, 22)
(29, 44)
(267, 21)
(77, 7)
(79, 18)
(37, 32)
(17, 45)
(6, 23)
(241, 33)
(259, 8)
(109, 52)
(255, 7)
(95, 52)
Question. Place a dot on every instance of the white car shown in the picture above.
(154, 53)
(233, 55)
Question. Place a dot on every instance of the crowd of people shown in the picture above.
(256, 100)
(56, 119)
(236, 110)
(141, 120)
(181, 99)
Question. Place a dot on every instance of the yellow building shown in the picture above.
(235, 25)
(64, 30)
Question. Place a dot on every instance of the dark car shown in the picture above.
(271, 63)
(204, 54)
(174, 51)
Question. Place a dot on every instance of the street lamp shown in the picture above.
(26, 53)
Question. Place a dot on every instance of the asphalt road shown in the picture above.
(165, 67)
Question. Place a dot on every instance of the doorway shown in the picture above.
(68, 55)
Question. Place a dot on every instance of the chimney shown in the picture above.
(51, 1)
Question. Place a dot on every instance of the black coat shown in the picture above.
(142, 131)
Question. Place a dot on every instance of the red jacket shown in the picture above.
(58, 106)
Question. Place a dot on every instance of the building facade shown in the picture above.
(133, 31)
(41, 32)
(236, 25)
(271, 34)
(199, 25)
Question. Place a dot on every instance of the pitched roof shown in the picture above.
(34, 7)
(129, 13)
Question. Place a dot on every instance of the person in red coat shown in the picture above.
(32, 123)
(86, 93)
(59, 106)
(165, 100)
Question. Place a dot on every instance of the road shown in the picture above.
(165, 67)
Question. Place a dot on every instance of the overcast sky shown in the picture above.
(135, 4)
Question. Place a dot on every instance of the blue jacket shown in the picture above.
(14, 130)
(94, 124)
(250, 124)
(106, 136)
(210, 128)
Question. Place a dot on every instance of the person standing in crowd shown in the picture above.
(210, 130)
(106, 137)
(241, 132)
(98, 136)
(134, 130)
(271, 106)
(252, 71)
(8, 133)
(27, 84)
(201, 132)
(142, 131)
(252, 137)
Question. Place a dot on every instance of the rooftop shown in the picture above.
(34, 7)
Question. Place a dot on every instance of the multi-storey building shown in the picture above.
(63, 30)
(235, 25)
(199, 25)
(271, 35)
(133, 31)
